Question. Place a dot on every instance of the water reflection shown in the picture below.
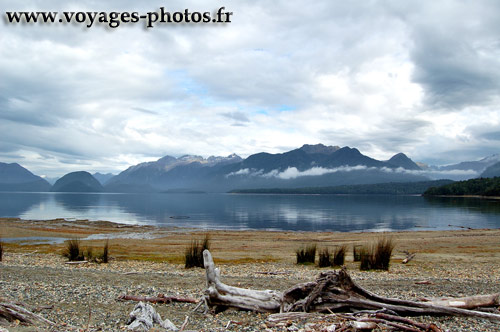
(279, 212)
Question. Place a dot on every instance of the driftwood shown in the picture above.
(470, 302)
(286, 316)
(12, 312)
(76, 262)
(220, 294)
(273, 273)
(333, 291)
(144, 316)
(156, 299)
(336, 291)
(409, 257)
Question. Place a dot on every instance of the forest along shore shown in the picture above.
(147, 261)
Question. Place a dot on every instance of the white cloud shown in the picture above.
(293, 172)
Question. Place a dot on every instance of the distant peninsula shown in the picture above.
(391, 188)
(472, 187)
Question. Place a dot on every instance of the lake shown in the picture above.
(261, 212)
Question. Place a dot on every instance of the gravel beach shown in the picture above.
(85, 297)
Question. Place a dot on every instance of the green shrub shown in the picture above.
(324, 258)
(194, 253)
(306, 255)
(339, 255)
(377, 256)
(72, 251)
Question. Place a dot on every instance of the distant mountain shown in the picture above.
(478, 166)
(492, 171)
(319, 148)
(77, 182)
(51, 180)
(401, 160)
(14, 177)
(310, 165)
(102, 178)
(169, 173)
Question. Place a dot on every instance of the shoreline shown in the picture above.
(146, 242)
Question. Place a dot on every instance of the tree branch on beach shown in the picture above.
(161, 298)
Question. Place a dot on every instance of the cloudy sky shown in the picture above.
(419, 77)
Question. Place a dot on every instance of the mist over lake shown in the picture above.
(260, 212)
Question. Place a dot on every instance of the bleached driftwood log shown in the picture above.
(12, 312)
(220, 294)
(469, 302)
(144, 316)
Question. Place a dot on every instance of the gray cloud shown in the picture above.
(236, 116)
(455, 53)
(371, 75)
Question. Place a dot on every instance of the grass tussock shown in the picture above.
(377, 256)
(194, 253)
(306, 255)
(72, 251)
(105, 252)
(339, 255)
(335, 258)
(324, 258)
(1, 250)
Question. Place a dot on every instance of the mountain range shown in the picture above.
(309, 166)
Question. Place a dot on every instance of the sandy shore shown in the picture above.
(148, 260)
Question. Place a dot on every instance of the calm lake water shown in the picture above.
(269, 212)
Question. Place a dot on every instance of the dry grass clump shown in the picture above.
(339, 255)
(377, 256)
(337, 258)
(194, 253)
(72, 251)
(1, 249)
(324, 258)
(306, 255)
(105, 252)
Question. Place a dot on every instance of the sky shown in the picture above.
(418, 77)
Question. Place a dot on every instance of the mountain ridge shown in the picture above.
(308, 166)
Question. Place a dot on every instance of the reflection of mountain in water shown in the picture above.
(244, 211)
(290, 212)
(78, 202)
(16, 204)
